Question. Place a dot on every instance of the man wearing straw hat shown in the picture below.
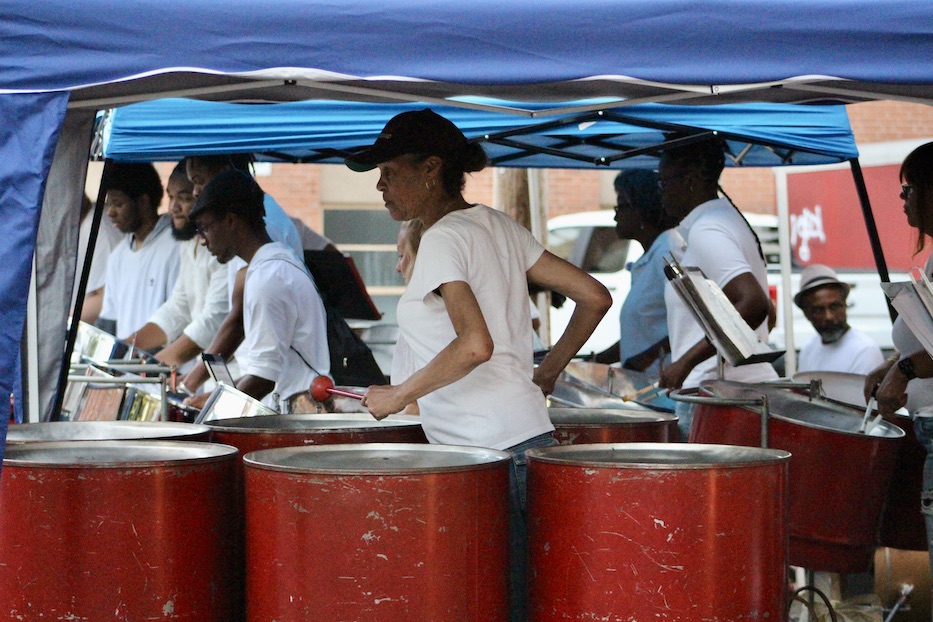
(837, 346)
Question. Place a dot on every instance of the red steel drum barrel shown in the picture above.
(105, 431)
(576, 426)
(118, 530)
(902, 524)
(839, 477)
(377, 532)
(657, 531)
(270, 431)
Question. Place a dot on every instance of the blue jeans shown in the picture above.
(923, 428)
(518, 527)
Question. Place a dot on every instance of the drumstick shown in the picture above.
(355, 396)
(874, 422)
(868, 409)
(322, 387)
(628, 397)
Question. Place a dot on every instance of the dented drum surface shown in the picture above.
(573, 426)
(377, 532)
(656, 531)
(104, 431)
(118, 530)
(254, 433)
(839, 477)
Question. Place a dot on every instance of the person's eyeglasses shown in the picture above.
(202, 229)
(907, 190)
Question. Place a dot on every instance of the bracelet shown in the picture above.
(907, 368)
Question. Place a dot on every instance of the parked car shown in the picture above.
(588, 240)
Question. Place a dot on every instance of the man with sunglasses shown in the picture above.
(837, 346)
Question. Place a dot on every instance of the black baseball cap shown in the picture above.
(416, 131)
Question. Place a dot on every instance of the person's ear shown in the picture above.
(432, 166)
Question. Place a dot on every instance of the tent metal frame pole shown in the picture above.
(872, 229)
(55, 414)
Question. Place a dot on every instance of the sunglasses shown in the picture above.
(907, 190)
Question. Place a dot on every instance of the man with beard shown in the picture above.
(143, 267)
(191, 317)
(836, 346)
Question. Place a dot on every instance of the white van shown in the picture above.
(588, 240)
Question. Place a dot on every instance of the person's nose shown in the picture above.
(380, 184)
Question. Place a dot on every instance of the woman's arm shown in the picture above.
(891, 394)
(591, 302)
(471, 347)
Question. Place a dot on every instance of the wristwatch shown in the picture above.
(907, 368)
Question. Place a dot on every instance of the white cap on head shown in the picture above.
(816, 276)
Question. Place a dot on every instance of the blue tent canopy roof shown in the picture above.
(520, 49)
(327, 131)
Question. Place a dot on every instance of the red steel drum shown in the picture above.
(902, 524)
(377, 532)
(270, 431)
(105, 431)
(839, 476)
(574, 426)
(657, 531)
(119, 530)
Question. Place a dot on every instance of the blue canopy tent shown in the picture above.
(325, 132)
(61, 61)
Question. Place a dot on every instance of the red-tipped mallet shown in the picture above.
(322, 388)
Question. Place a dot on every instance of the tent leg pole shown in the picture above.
(871, 228)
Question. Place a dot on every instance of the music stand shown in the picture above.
(341, 285)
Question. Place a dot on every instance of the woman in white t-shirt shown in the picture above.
(907, 378)
(464, 314)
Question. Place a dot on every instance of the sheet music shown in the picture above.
(729, 333)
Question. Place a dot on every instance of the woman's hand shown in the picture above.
(383, 400)
(891, 394)
(545, 382)
(875, 376)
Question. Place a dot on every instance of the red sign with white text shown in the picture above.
(827, 226)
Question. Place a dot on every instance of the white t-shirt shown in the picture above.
(108, 236)
(853, 353)
(919, 390)
(199, 301)
(719, 242)
(497, 405)
(140, 279)
(402, 364)
(282, 314)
